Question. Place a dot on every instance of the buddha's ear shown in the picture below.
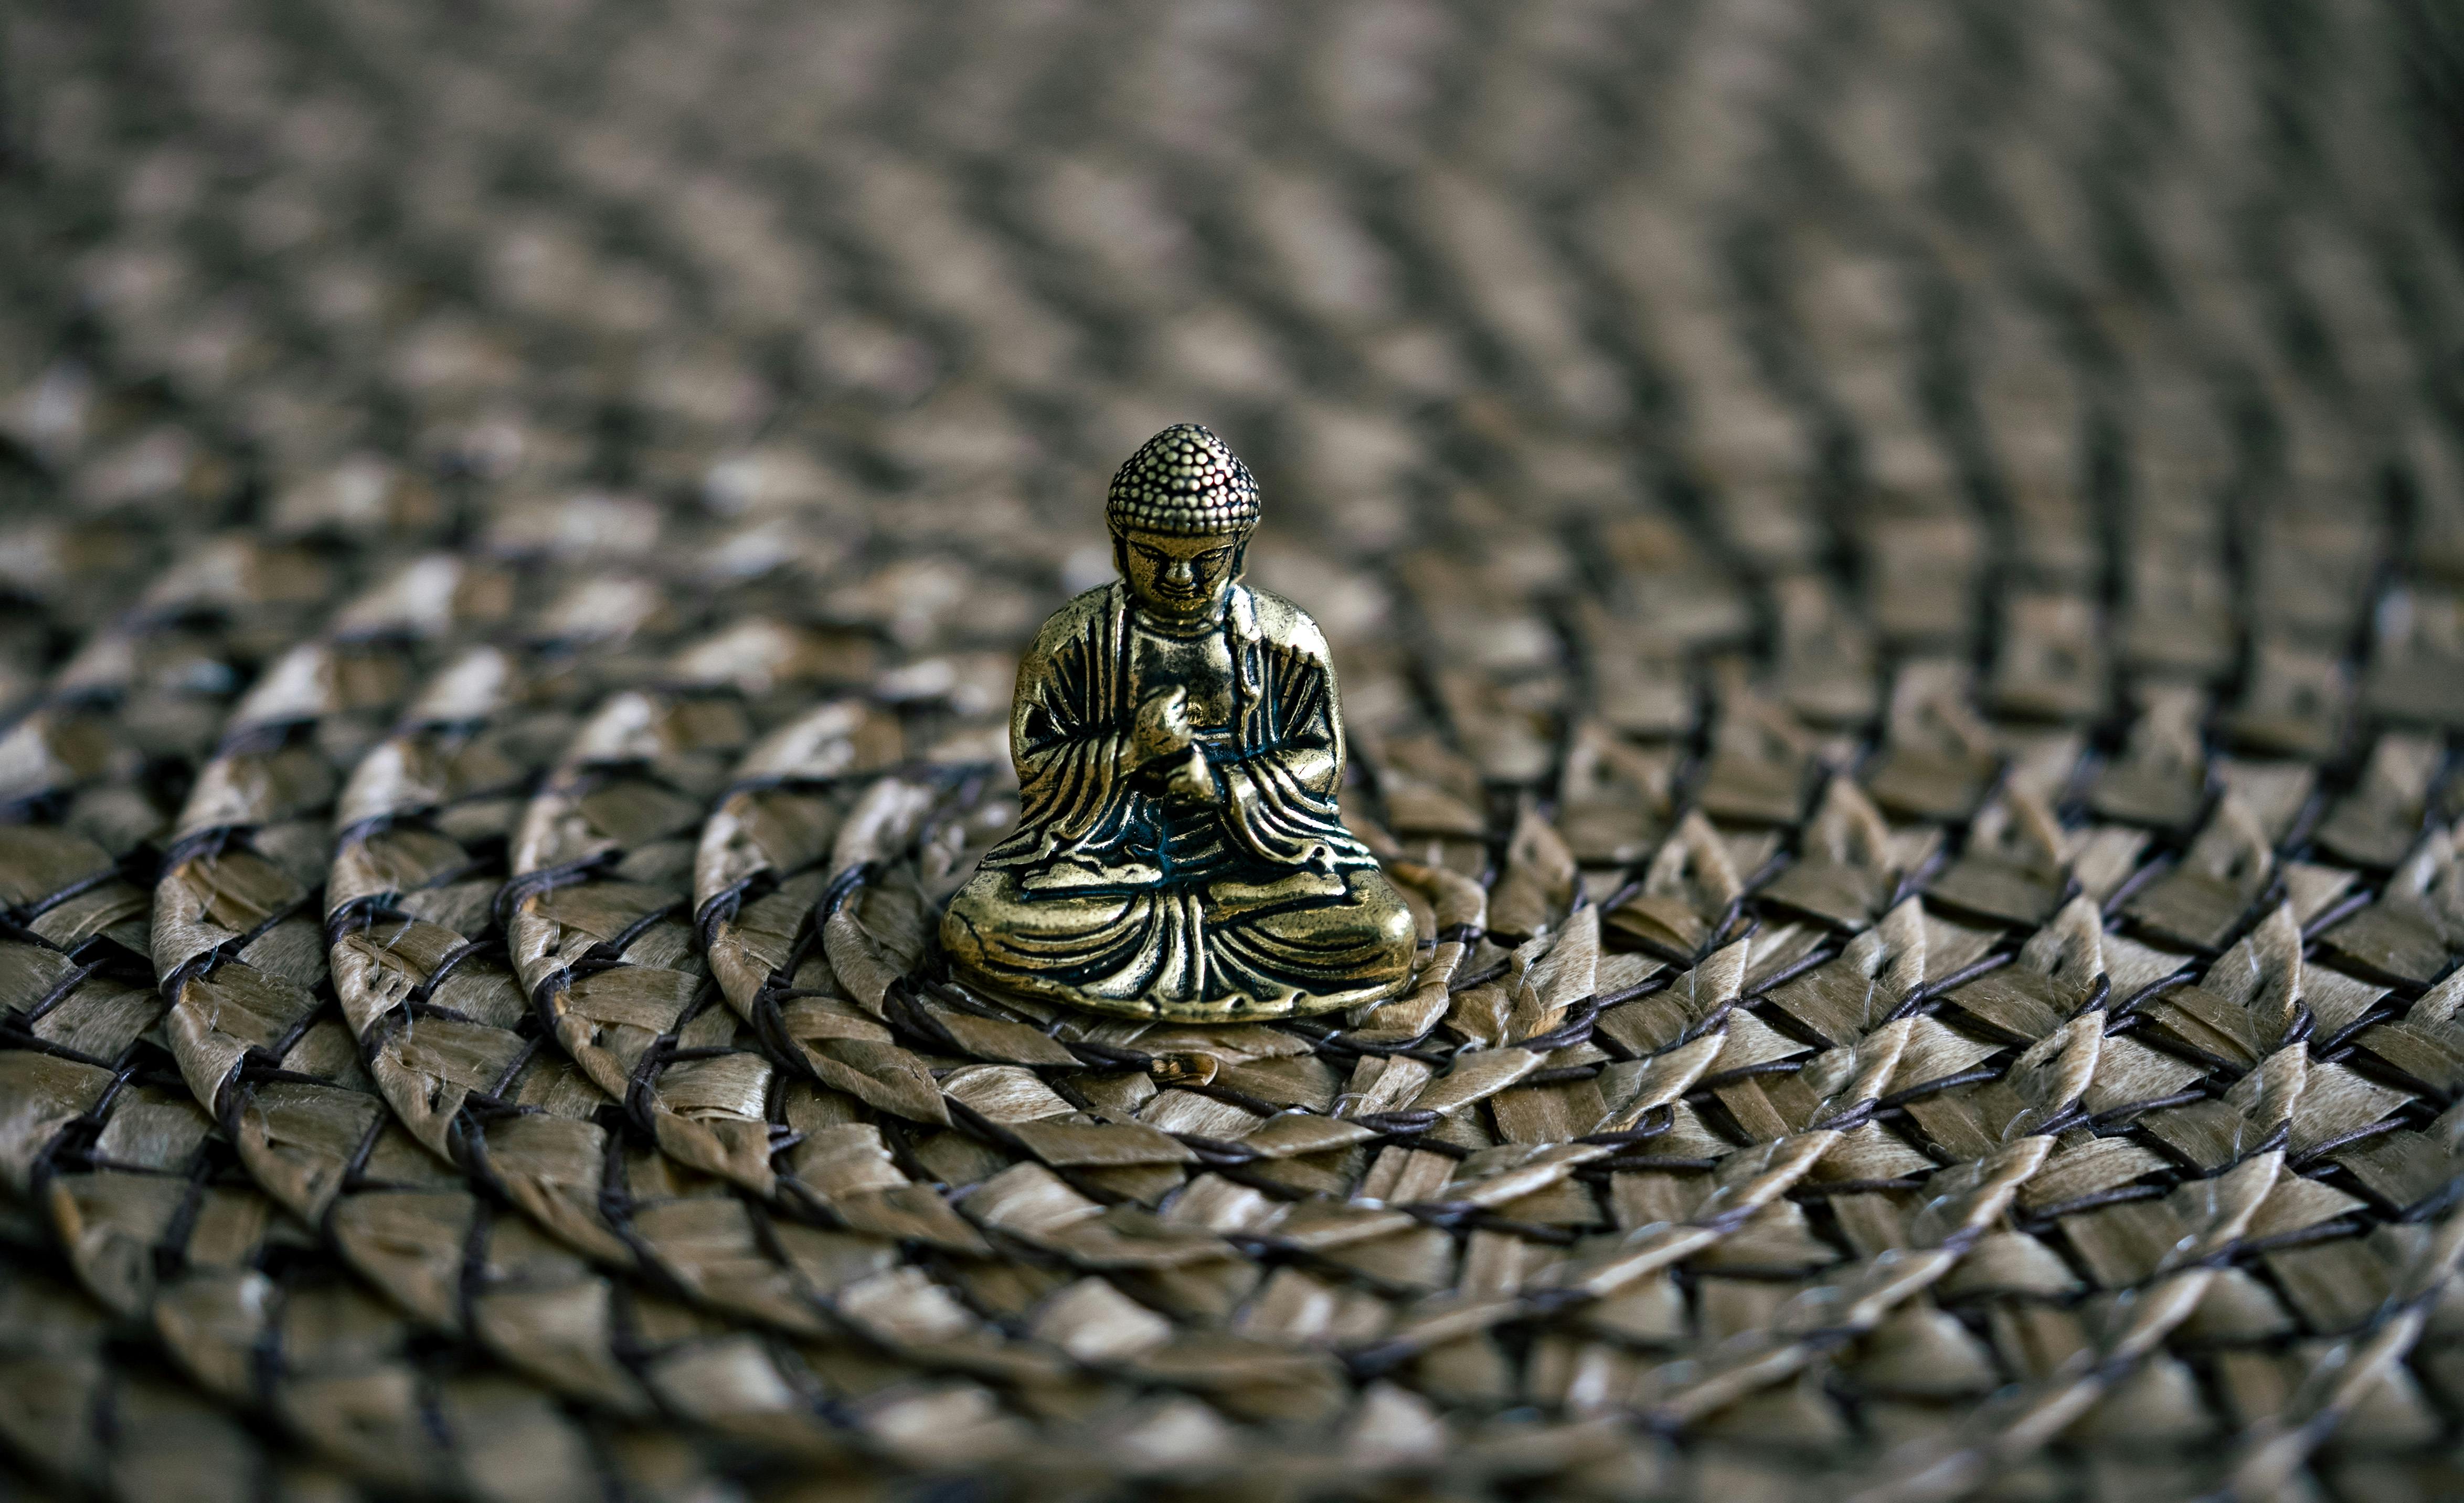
(1239, 558)
(1120, 555)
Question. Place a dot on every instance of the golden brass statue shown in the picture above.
(1179, 748)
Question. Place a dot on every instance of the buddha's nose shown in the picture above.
(1180, 574)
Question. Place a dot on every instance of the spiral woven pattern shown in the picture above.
(1897, 579)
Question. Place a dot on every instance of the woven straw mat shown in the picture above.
(1898, 576)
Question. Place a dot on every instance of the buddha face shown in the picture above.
(1179, 578)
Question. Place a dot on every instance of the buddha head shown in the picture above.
(1181, 511)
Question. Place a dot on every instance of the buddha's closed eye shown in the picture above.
(1198, 563)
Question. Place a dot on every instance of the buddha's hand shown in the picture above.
(1191, 778)
(1162, 727)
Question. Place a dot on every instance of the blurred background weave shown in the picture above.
(1898, 574)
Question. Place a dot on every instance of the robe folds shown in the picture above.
(1116, 895)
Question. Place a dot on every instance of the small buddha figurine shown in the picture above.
(1179, 747)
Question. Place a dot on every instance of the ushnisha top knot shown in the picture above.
(1183, 480)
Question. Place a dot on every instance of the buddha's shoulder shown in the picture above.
(1076, 618)
(1287, 626)
(1280, 622)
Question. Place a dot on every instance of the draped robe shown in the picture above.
(1113, 893)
